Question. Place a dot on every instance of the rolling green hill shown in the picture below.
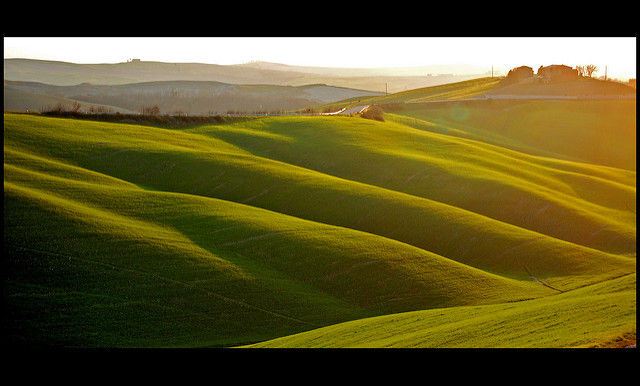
(251, 230)
(600, 313)
(600, 132)
(449, 91)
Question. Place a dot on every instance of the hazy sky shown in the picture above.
(618, 54)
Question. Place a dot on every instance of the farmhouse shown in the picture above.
(519, 74)
(557, 72)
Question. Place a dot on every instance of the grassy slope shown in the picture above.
(582, 317)
(458, 90)
(195, 164)
(209, 273)
(601, 132)
(89, 178)
(512, 187)
(200, 267)
(490, 86)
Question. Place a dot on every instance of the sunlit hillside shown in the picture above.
(240, 232)
(450, 91)
(582, 318)
(592, 131)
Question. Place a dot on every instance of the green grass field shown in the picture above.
(602, 312)
(449, 91)
(454, 226)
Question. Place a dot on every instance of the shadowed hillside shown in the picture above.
(19, 100)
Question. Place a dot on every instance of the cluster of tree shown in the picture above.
(151, 110)
(99, 109)
(165, 120)
(253, 112)
(62, 108)
(76, 108)
(587, 70)
(199, 105)
(373, 112)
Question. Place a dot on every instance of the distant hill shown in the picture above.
(379, 80)
(67, 74)
(20, 100)
(176, 96)
(434, 70)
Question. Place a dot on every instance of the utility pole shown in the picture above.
(605, 72)
(387, 88)
(492, 71)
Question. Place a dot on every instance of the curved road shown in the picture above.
(350, 110)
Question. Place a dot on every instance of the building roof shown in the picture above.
(556, 67)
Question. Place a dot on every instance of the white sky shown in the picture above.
(618, 54)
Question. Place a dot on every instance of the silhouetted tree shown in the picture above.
(590, 69)
(58, 108)
(153, 110)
